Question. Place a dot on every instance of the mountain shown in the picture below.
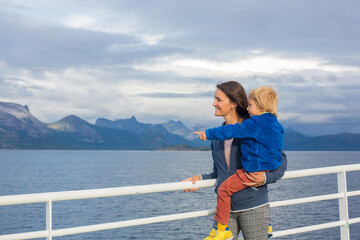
(15, 117)
(82, 129)
(173, 131)
(341, 142)
(76, 133)
(177, 127)
(128, 124)
(158, 134)
(19, 129)
(120, 134)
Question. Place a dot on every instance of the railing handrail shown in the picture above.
(321, 171)
(50, 197)
(101, 192)
(152, 188)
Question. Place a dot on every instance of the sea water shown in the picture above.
(30, 171)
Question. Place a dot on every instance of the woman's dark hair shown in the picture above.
(236, 93)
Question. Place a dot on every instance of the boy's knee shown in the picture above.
(222, 191)
(222, 188)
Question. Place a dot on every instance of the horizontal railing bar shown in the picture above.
(164, 187)
(308, 229)
(180, 216)
(141, 189)
(28, 235)
(353, 193)
(306, 200)
(321, 171)
(158, 219)
(103, 192)
(354, 220)
(130, 223)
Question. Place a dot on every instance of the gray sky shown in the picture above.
(160, 60)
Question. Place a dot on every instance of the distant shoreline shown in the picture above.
(184, 147)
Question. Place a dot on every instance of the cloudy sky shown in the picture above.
(161, 59)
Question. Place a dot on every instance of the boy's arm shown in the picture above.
(247, 129)
(277, 174)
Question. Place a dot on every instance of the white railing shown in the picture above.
(51, 197)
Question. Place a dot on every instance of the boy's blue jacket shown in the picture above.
(249, 197)
(262, 141)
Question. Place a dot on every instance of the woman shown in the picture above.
(250, 209)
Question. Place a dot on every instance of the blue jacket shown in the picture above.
(262, 141)
(249, 197)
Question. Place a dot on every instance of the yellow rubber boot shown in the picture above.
(216, 234)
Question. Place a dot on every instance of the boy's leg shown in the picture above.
(230, 186)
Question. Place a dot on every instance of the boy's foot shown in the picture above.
(216, 234)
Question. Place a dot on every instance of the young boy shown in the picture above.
(261, 147)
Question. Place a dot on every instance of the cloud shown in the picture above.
(244, 66)
(161, 60)
(35, 44)
(175, 95)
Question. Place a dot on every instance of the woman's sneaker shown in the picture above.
(270, 231)
(216, 234)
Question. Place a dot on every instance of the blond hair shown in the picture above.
(265, 99)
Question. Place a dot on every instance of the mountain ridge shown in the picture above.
(19, 129)
(72, 132)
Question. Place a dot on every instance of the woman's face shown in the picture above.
(223, 105)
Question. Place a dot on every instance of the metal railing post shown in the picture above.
(49, 219)
(343, 206)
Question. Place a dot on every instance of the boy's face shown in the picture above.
(253, 108)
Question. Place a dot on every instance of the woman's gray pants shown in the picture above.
(254, 223)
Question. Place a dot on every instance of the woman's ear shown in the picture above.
(233, 105)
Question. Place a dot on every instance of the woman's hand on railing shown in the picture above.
(193, 179)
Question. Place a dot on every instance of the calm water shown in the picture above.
(44, 171)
